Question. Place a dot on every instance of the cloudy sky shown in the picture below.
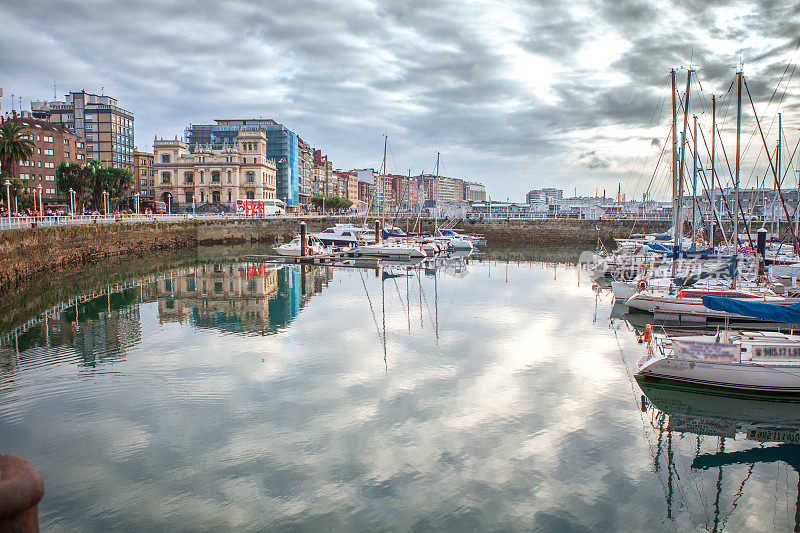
(517, 95)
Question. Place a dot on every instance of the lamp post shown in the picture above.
(8, 201)
(169, 203)
(106, 202)
(41, 211)
(137, 202)
(71, 202)
(194, 207)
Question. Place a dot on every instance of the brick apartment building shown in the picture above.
(52, 144)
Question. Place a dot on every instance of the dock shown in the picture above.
(337, 259)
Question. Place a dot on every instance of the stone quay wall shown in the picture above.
(27, 253)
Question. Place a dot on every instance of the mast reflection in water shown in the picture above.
(465, 394)
(734, 435)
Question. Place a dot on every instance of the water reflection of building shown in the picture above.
(97, 329)
(245, 297)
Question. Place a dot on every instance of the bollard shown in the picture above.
(303, 240)
(377, 231)
(761, 249)
(21, 489)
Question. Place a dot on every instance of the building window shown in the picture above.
(229, 176)
(201, 176)
(188, 177)
(80, 157)
(229, 196)
(165, 158)
(215, 176)
(215, 197)
(48, 139)
(251, 195)
(49, 164)
(79, 144)
(143, 182)
(165, 178)
(250, 177)
(48, 152)
(189, 197)
(66, 154)
(66, 142)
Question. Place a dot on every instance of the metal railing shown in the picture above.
(29, 222)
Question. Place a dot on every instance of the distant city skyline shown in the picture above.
(516, 96)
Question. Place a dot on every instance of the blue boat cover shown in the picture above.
(788, 314)
(726, 270)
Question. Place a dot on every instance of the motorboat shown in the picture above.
(348, 235)
(392, 249)
(293, 247)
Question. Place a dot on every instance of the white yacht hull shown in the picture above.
(751, 377)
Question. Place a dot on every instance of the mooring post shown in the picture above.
(303, 240)
(377, 231)
(761, 249)
(21, 489)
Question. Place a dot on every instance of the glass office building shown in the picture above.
(282, 147)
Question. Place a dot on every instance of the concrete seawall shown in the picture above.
(28, 253)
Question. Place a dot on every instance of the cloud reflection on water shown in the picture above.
(520, 415)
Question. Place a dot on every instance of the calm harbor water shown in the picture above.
(196, 392)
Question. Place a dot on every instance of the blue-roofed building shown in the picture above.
(282, 147)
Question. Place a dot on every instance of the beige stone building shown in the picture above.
(144, 180)
(213, 176)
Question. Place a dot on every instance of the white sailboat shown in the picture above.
(753, 361)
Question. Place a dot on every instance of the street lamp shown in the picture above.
(8, 201)
(106, 201)
(41, 210)
(71, 202)
(169, 203)
(194, 207)
(137, 201)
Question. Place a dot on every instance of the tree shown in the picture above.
(14, 146)
(331, 202)
(76, 177)
(19, 198)
(89, 181)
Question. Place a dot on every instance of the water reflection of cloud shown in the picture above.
(520, 415)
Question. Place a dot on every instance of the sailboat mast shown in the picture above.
(674, 167)
(383, 178)
(738, 153)
(776, 223)
(694, 181)
(679, 229)
(436, 197)
(713, 171)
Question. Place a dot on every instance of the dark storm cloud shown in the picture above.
(504, 90)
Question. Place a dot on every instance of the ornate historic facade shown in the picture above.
(213, 176)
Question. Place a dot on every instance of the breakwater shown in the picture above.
(28, 253)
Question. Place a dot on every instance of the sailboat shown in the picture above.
(742, 360)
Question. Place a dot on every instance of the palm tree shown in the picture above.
(13, 146)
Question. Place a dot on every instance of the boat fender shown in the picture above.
(648, 331)
(642, 285)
